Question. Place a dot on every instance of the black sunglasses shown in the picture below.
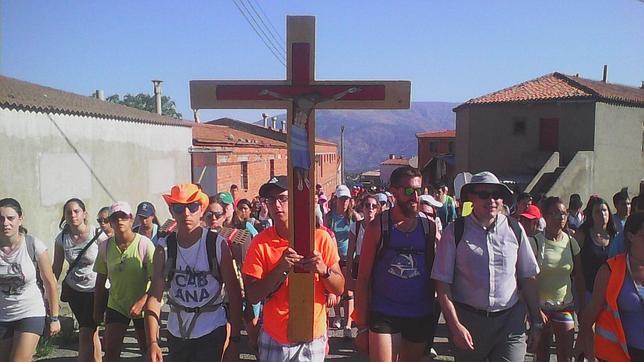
(215, 215)
(103, 220)
(484, 195)
(369, 205)
(181, 208)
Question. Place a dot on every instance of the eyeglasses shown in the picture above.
(103, 220)
(215, 215)
(410, 191)
(181, 208)
(272, 200)
(370, 205)
(484, 195)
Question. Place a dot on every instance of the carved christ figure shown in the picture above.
(303, 105)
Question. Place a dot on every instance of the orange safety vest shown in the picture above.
(610, 340)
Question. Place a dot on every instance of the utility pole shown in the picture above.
(342, 179)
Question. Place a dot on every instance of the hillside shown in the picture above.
(370, 136)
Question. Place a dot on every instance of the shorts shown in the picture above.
(35, 325)
(113, 316)
(412, 329)
(565, 315)
(272, 350)
(82, 305)
(205, 348)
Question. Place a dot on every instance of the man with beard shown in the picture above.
(394, 294)
(481, 260)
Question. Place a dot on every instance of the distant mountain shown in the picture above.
(370, 136)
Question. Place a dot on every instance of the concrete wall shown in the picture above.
(131, 161)
(577, 178)
(485, 138)
(619, 146)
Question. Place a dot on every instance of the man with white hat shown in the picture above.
(481, 260)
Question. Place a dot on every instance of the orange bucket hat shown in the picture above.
(186, 194)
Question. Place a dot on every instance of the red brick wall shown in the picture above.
(229, 167)
(442, 147)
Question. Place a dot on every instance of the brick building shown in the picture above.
(227, 151)
(436, 156)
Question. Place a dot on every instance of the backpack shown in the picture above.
(31, 250)
(170, 269)
(459, 229)
(429, 230)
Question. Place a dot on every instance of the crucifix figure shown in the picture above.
(300, 94)
(303, 105)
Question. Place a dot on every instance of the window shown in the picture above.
(272, 168)
(518, 126)
(432, 146)
(244, 175)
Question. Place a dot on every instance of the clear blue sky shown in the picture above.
(450, 50)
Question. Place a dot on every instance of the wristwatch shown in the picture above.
(327, 275)
(53, 318)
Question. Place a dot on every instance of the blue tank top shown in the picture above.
(400, 280)
(631, 312)
(341, 226)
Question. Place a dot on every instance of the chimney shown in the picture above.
(392, 156)
(283, 126)
(274, 122)
(100, 95)
(605, 76)
(157, 94)
(642, 86)
(196, 115)
(265, 118)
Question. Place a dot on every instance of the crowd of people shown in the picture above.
(508, 271)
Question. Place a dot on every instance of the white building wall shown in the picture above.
(46, 161)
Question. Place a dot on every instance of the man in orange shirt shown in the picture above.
(265, 272)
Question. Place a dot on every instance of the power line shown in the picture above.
(279, 36)
(272, 50)
(277, 41)
(259, 26)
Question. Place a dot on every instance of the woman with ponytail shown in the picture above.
(77, 244)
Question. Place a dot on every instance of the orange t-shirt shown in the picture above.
(262, 257)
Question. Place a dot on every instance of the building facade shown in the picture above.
(436, 156)
(57, 145)
(228, 151)
(556, 135)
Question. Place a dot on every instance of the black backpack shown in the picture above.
(171, 260)
(429, 230)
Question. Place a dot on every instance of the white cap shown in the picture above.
(381, 197)
(430, 200)
(120, 206)
(342, 191)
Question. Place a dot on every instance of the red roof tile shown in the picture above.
(18, 94)
(216, 135)
(557, 86)
(437, 134)
(396, 161)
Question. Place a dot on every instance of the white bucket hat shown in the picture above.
(486, 178)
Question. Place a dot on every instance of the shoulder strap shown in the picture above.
(171, 257)
(429, 228)
(31, 249)
(97, 233)
(516, 228)
(143, 251)
(211, 249)
(459, 228)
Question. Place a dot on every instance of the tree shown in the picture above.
(147, 102)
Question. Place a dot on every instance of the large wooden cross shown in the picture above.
(300, 94)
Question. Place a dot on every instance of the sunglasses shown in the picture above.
(383, 203)
(484, 195)
(118, 216)
(103, 220)
(370, 205)
(215, 215)
(410, 191)
(272, 200)
(181, 208)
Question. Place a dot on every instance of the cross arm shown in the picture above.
(229, 94)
